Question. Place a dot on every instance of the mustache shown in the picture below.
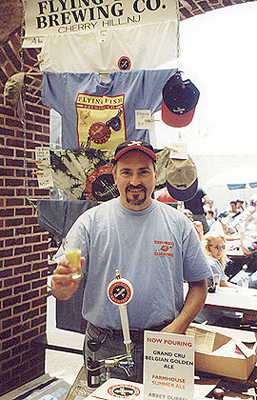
(131, 187)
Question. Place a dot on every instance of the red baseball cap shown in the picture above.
(129, 145)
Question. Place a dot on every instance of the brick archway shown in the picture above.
(190, 8)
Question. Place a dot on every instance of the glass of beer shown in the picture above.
(72, 248)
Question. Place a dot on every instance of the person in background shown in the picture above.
(210, 217)
(196, 205)
(214, 245)
(240, 204)
(210, 207)
(152, 245)
(250, 218)
(248, 241)
(234, 211)
(197, 224)
(224, 227)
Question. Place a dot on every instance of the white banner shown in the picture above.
(57, 17)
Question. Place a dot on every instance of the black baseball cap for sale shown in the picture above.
(179, 101)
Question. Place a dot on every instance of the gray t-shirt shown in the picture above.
(155, 249)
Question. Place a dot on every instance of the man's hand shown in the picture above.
(62, 284)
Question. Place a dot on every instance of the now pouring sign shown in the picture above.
(168, 366)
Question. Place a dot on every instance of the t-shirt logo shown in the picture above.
(124, 63)
(100, 121)
(163, 248)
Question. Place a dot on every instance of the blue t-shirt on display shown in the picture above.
(101, 114)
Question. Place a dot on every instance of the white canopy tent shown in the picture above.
(237, 178)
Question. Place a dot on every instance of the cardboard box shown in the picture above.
(222, 351)
(79, 387)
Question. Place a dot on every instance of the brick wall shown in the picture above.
(23, 244)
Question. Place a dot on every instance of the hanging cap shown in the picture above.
(129, 145)
(179, 101)
(12, 89)
(181, 178)
(165, 197)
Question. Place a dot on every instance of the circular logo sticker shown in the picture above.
(123, 391)
(119, 292)
(124, 63)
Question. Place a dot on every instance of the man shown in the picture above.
(152, 245)
(196, 206)
(234, 211)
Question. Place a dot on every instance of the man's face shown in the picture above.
(135, 178)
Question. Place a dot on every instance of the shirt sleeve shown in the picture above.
(195, 263)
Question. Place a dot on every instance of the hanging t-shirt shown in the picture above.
(97, 114)
(148, 46)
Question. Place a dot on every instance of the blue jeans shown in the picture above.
(112, 345)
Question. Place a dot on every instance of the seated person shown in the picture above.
(210, 218)
(248, 218)
(214, 247)
(253, 280)
(249, 247)
(248, 243)
(240, 205)
(209, 207)
(224, 227)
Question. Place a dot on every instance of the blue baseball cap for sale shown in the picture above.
(179, 101)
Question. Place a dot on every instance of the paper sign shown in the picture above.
(204, 340)
(45, 61)
(142, 119)
(168, 366)
(45, 179)
(42, 155)
(32, 42)
(179, 150)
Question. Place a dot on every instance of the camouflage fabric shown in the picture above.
(86, 174)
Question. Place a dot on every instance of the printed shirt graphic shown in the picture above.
(100, 120)
(164, 248)
(97, 114)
